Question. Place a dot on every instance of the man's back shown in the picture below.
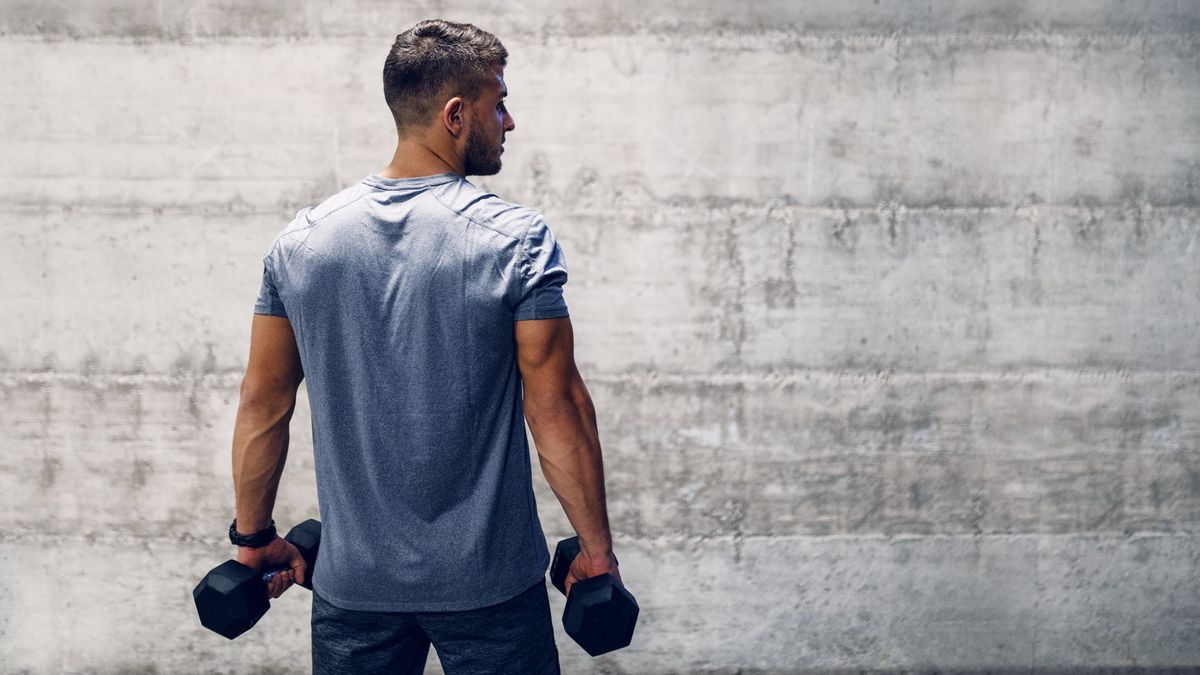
(402, 293)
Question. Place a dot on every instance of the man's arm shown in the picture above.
(260, 435)
(563, 422)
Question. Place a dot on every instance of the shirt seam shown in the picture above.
(543, 314)
(282, 268)
(456, 212)
(446, 178)
(285, 261)
(311, 223)
(525, 247)
(519, 277)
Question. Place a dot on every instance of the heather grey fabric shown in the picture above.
(402, 295)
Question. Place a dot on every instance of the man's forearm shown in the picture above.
(568, 445)
(260, 444)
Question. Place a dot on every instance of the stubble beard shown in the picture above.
(482, 158)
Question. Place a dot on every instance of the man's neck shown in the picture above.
(415, 158)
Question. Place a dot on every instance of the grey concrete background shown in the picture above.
(891, 313)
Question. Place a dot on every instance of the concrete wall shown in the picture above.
(891, 313)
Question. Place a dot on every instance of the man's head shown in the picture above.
(449, 77)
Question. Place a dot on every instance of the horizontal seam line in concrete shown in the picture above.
(665, 203)
(13, 378)
(718, 36)
(123, 535)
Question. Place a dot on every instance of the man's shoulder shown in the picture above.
(309, 216)
(331, 206)
(455, 199)
(488, 210)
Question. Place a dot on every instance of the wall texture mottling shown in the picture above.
(890, 311)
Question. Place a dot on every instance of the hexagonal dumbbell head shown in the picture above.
(233, 597)
(230, 600)
(600, 615)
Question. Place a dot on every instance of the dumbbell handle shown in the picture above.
(273, 572)
(568, 550)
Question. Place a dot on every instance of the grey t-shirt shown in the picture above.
(402, 295)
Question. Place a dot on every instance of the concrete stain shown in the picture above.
(781, 292)
(139, 408)
(46, 410)
(1088, 232)
(1159, 494)
(48, 475)
(725, 287)
(844, 231)
(1035, 272)
(142, 469)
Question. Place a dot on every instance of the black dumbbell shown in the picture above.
(232, 597)
(600, 614)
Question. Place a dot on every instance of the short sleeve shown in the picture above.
(268, 294)
(543, 271)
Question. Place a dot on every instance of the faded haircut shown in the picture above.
(434, 61)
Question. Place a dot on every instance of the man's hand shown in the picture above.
(278, 552)
(584, 567)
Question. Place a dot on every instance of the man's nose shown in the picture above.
(509, 123)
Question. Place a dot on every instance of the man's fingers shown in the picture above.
(279, 583)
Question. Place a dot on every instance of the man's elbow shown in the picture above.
(542, 408)
(557, 404)
(267, 395)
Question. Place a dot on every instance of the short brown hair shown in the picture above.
(435, 60)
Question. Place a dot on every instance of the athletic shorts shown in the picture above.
(514, 636)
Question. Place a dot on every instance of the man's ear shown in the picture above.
(452, 116)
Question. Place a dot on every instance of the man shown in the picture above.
(418, 307)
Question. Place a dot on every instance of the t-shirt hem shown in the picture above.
(451, 606)
(545, 314)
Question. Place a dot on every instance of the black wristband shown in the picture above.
(256, 540)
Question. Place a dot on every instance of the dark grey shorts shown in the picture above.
(515, 636)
